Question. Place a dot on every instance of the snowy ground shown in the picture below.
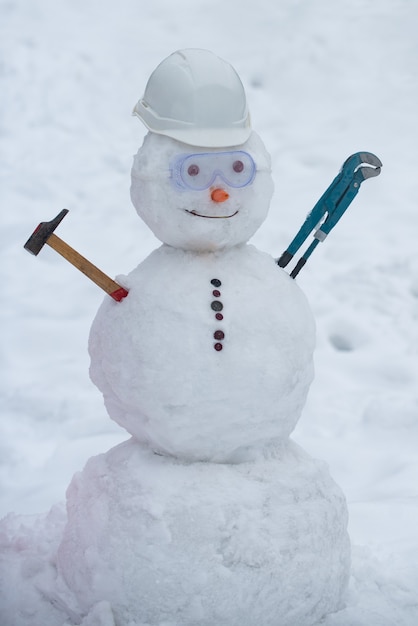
(324, 79)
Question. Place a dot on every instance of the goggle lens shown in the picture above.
(199, 171)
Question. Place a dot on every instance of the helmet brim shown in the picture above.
(209, 138)
(192, 135)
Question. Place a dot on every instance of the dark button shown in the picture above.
(216, 293)
(219, 334)
(218, 347)
(216, 305)
(215, 282)
(219, 316)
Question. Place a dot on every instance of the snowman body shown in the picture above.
(166, 542)
(194, 386)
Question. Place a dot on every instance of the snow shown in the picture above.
(153, 357)
(186, 525)
(323, 80)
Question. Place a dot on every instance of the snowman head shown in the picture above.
(201, 199)
(201, 180)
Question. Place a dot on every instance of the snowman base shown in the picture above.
(198, 544)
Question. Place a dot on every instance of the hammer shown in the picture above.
(44, 233)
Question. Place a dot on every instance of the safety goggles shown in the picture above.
(199, 171)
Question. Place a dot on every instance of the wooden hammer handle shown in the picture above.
(116, 291)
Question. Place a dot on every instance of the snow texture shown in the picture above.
(203, 543)
(324, 80)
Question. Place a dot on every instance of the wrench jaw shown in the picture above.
(357, 168)
(368, 172)
(370, 159)
(369, 167)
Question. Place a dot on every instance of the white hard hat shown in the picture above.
(197, 98)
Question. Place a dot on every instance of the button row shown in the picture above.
(217, 306)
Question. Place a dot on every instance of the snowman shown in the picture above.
(209, 515)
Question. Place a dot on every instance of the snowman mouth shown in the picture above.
(212, 217)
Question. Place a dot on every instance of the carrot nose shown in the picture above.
(219, 195)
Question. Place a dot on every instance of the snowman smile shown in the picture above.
(212, 217)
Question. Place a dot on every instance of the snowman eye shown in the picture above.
(238, 166)
(193, 170)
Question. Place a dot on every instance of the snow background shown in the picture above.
(324, 79)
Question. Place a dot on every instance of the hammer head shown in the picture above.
(42, 233)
